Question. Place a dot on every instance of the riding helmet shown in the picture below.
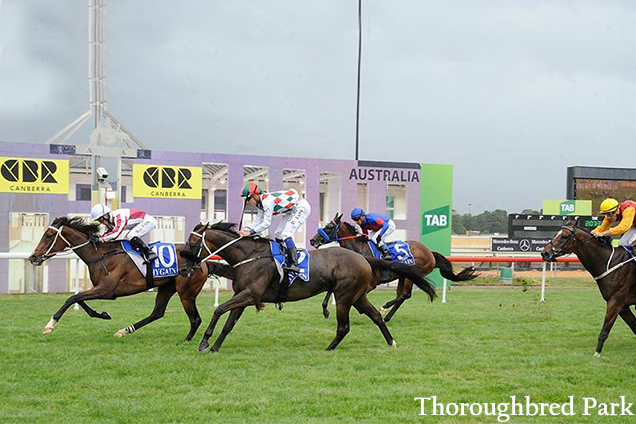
(609, 205)
(99, 210)
(250, 189)
(356, 213)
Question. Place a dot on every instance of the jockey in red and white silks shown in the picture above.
(125, 224)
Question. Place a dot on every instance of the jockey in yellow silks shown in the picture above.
(624, 213)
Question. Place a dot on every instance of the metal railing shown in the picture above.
(508, 259)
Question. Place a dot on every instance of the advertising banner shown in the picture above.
(34, 176)
(567, 207)
(436, 182)
(163, 181)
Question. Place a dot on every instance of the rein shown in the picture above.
(202, 236)
(615, 267)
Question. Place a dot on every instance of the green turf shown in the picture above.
(482, 346)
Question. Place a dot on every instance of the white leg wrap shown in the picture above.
(128, 330)
(48, 328)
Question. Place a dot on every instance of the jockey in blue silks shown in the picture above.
(376, 226)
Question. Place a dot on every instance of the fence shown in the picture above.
(77, 263)
(502, 259)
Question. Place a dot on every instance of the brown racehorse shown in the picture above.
(348, 237)
(113, 274)
(616, 282)
(345, 273)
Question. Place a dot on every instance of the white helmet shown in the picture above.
(98, 211)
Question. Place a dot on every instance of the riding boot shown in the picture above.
(384, 252)
(292, 261)
(148, 254)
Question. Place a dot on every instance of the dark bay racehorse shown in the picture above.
(616, 282)
(349, 238)
(256, 278)
(113, 274)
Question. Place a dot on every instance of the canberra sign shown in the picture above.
(34, 176)
(162, 181)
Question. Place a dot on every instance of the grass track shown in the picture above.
(482, 346)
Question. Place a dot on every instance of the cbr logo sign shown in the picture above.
(182, 182)
(39, 176)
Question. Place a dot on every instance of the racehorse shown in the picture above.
(613, 269)
(113, 274)
(257, 279)
(348, 237)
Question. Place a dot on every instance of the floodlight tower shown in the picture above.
(109, 138)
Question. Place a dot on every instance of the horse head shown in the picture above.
(328, 233)
(566, 241)
(193, 248)
(63, 234)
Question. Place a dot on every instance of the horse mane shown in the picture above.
(78, 223)
(350, 227)
(228, 227)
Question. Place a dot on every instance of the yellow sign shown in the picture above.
(181, 182)
(38, 176)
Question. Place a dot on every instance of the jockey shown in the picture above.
(623, 212)
(125, 224)
(376, 226)
(295, 211)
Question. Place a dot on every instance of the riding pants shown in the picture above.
(379, 240)
(293, 220)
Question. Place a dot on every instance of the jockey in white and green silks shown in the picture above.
(295, 211)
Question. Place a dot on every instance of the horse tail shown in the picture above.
(415, 273)
(446, 269)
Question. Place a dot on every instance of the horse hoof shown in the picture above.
(121, 333)
(47, 330)
(597, 354)
(106, 315)
(203, 347)
(326, 314)
(394, 344)
(382, 311)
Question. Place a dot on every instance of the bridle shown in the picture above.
(570, 238)
(204, 245)
(69, 246)
(332, 236)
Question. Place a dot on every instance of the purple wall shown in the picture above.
(58, 205)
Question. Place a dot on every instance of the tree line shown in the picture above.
(488, 222)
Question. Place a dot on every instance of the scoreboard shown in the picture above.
(545, 226)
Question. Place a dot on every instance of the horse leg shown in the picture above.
(365, 307)
(399, 292)
(406, 296)
(239, 300)
(629, 318)
(325, 304)
(613, 308)
(235, 314)
(342, 313)
(164, 293)
(92, 312)
(97, 292)
(189, 303)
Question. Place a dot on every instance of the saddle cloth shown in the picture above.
(164, 266)
(399, 251)
(279, 259)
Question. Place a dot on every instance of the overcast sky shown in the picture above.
(510, 92)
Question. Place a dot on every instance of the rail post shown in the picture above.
(543, 282)
(444, 291)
